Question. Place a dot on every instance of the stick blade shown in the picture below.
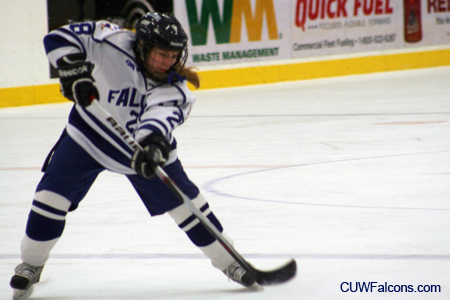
(279, 275)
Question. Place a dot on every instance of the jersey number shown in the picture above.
(131, 124)
(175, 121)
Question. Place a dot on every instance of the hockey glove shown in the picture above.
(156, 149)
(77, 83)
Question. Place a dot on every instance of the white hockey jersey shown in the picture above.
(141, 105)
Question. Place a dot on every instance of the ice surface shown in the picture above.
(350, 176)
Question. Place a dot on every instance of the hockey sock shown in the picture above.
(45, 225)
(220, 257)
(199, 235)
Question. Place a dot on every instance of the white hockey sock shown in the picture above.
(34, 252)
(220, 258)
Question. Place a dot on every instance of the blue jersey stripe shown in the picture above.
(54, 41)
(98, 141)
(109, 132)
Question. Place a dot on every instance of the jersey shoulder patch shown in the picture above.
(104, 30)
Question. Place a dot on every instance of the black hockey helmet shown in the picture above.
(164, 31)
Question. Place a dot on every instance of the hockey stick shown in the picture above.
(279, 275)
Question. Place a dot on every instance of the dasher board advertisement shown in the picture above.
(233, 31)
(324, 27)
(434, 21)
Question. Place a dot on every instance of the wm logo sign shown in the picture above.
(227, 28)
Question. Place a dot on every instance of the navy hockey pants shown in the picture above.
(72, 171)
(69, 174)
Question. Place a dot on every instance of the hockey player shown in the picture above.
(141, 79)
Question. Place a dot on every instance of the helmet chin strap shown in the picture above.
(163, 77)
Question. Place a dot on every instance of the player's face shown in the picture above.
(160, 60)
